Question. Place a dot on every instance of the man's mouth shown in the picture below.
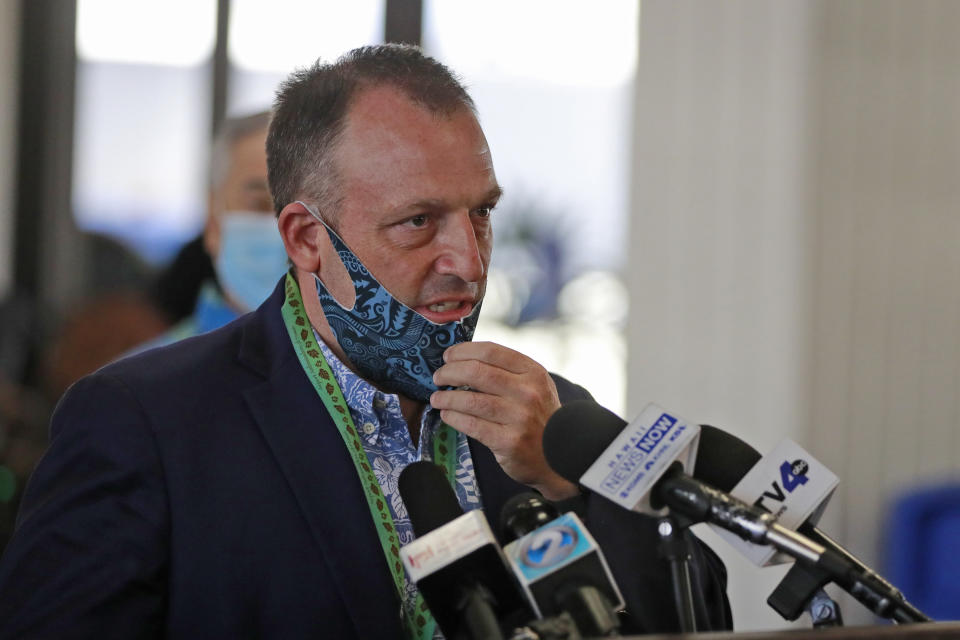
(442, 307)
(446, 310)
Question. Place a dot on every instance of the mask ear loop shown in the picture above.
(342, 273)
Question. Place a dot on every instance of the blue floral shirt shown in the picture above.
(389, 448)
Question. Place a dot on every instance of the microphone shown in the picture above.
(788, 482)
(569, 448)
(455, 560)
(798, 487)
(639, 468)
(523, 513)
(726, 461)
(559, 565)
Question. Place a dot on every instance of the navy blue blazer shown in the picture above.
(201, 490)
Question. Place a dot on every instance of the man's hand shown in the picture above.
(511, 399)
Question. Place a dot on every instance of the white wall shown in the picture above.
(719, 236)
(885, 396)
(9, 91)
(794, 241)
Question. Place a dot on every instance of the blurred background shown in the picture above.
(745, 211)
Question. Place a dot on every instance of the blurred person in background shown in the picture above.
(114, 316)
(43, 352)
(240, 239)
(176, 288)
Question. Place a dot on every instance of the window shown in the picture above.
(142, 119)
(269, 39)
(144, 95)
(553, 82)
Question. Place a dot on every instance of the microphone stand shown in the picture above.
(802, 588)
(701, 503)
(824, 611)
(675, 547)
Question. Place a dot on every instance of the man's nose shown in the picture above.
(460, 249)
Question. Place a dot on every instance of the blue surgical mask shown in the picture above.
(390, 344)
(251, 259)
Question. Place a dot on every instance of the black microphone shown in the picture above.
(579, 433)
(455, 560)
(523, 513)
(559, 565)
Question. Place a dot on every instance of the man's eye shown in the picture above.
(483, 212)
(417, 221)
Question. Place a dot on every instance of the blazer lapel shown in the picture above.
(312, 455)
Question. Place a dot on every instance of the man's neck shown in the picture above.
(411, 409)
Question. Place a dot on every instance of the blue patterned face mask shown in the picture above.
(390, 344)
(251, 258)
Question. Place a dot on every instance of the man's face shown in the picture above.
(417, 191)
(244, 188)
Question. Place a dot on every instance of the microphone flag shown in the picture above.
(789, 483)
(629, 467)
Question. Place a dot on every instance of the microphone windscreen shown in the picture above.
(524, 513)
(723, 459)
(428, 496)
(576, 434)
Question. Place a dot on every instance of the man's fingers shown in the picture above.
(488, 407)
(512, 398)
(491, 353)
(490, 434)
(475, 374)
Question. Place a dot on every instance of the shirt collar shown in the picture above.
(364, 398)
(359, 394)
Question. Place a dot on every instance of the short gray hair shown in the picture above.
(230, 131)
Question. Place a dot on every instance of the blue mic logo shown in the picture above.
(792, 475)
(549, 546)
(656, 433)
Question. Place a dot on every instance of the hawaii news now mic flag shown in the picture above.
(627, 470)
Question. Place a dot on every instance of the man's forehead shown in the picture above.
(395, 143)
(390, 113)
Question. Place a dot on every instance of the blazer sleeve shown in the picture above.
(568, 391)
(88, 556)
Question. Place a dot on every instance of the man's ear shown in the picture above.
(311, 251)
(301, 234)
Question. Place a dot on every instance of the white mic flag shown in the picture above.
(627, 469)
(789, 483)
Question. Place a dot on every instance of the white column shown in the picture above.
(719, 238)
(794, 242)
